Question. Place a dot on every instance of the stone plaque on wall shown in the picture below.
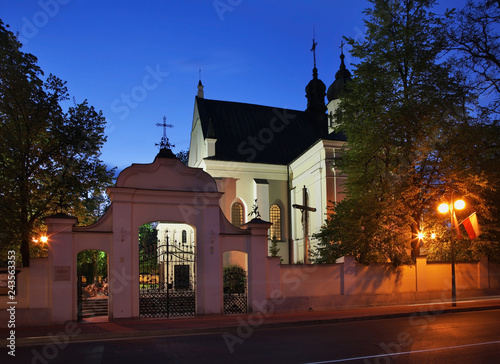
(62, 273)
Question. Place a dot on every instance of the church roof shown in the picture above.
(257, 133)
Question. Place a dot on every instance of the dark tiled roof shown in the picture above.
(258, 134)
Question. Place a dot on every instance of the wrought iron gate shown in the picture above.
(167, 284)
(235, 290)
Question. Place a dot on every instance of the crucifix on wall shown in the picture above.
(304, 209)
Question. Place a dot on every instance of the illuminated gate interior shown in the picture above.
(167, 262)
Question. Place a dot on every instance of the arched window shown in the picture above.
(275, 217)
(184, 236)
(237, 214)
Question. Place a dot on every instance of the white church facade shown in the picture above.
(281, 159)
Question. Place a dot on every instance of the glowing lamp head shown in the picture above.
(433, 236)
(459, 204)
(443, 208)
(44, 239)
(420, 235)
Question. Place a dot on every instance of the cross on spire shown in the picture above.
(342, 44)
(164, 143)
(313, 49)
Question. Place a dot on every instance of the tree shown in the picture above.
(92, 264)
(274, 249)
(49, 158)
(474, 37)
(183, 155)
(234, 279)
(404, 115)
(148, 237)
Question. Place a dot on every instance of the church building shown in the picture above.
(280, 159)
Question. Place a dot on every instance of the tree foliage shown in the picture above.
(49, 158)
(410, 139)
(183, 155)
(234, 279)
(274, 249)
(92, 264)
(148, 237)
(474, 35)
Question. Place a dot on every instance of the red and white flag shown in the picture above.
(472, 226)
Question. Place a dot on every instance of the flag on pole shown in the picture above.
(457, 226)
(472, 226)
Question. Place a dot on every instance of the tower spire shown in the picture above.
(342, 64)
(200, 94)
(315, 94)
(342, 78)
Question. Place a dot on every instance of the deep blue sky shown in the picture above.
(149, 52)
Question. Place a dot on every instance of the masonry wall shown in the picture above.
(32, 303)
(349, 284)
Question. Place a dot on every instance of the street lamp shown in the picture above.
(444, 208)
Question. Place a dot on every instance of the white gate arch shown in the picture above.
(165, 190)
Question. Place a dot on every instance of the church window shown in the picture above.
(237, 214)
(275, 217)
(184, 236)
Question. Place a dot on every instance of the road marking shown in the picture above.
(403, 352)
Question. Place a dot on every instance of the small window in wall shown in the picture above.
(275, 217)
(184, 236)
(237, 214)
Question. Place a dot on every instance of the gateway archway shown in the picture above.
(167, 270)
(182, 279)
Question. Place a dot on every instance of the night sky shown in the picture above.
(138, 61)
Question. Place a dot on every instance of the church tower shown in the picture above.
(342, 78)
(315, 94)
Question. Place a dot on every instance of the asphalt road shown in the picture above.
(471, 337)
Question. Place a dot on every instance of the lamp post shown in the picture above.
(444, 208)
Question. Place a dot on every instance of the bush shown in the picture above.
(235, 279)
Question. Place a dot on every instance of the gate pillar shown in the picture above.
(62, 286)
(209, 260)
(257, 275)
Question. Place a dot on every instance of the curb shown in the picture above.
(41, 340)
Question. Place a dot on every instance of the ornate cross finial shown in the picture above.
(164, 143)
(342, 44)
(255, 211)
(313, 49)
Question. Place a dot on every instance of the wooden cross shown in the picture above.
(304, 209)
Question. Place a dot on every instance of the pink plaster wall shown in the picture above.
(350, 284)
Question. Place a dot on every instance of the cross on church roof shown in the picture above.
(342, 44)
(164, 143)
(313, 49)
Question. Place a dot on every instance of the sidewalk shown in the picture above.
(97, 328)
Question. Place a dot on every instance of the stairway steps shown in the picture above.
(94, 307)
